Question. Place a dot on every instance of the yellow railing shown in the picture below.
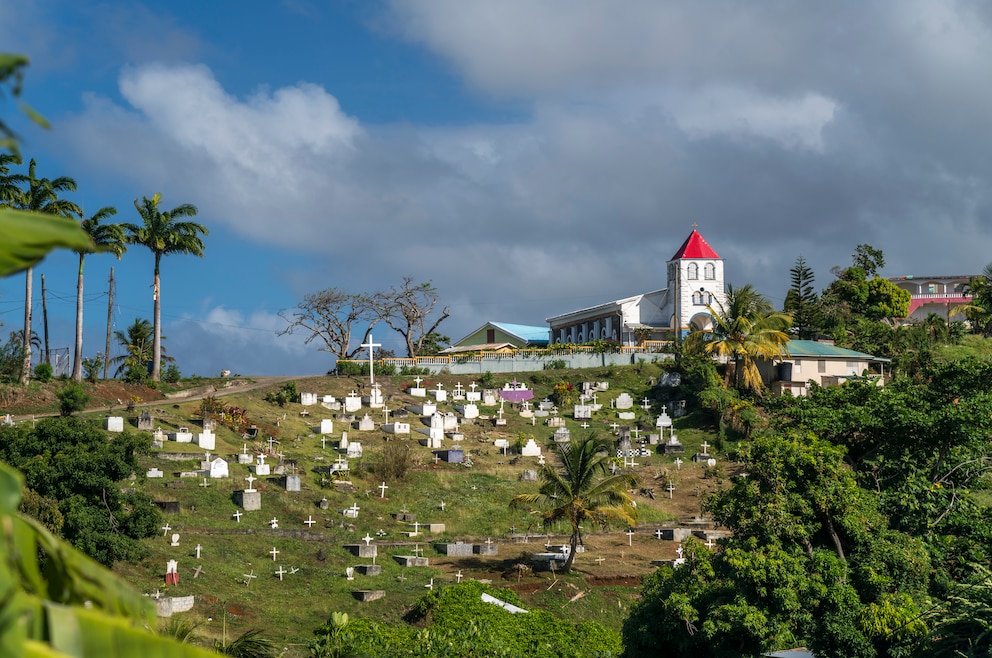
(649, 346)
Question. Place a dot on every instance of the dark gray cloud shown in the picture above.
(779, 128)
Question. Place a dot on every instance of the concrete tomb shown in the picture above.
(114, 424)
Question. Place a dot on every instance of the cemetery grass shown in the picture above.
(605, 578)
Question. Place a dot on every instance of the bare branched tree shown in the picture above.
(408, 309)
(330, 315)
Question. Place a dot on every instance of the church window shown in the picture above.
(710, 270)
(692, 272)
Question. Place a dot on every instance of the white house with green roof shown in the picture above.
(496, 336)
(821, 362)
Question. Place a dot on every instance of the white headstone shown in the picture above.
(326, 426)
(206, 440)
(115, 424)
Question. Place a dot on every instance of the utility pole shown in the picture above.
(110, 319)
(44, 319)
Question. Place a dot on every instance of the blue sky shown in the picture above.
(528, 158)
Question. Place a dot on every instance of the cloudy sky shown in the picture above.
(528, 157)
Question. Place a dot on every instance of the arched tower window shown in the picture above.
(692, 272)
(710, 271)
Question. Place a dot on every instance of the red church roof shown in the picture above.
(694, 247)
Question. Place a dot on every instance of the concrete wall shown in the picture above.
(532, 364)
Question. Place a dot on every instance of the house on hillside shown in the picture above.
(935, 294)
(500, 337)
(695, 280)
(820, 362)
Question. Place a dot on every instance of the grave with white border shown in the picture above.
(531, 449)
(582, 412)
(114, 424)
(326, 426)
(219, 468)
(366, 424)
(352, 402)
(181, 435)
(154, 473)
(354, 450)
(308, 399)
(425, 408)
(206, 440)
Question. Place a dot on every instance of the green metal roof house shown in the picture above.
(821, 362)
(501, 335)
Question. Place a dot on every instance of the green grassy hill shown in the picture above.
(475, 500)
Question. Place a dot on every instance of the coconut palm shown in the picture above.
(106, 237)
(41, 196)
(581, 488)
(162, 235)
(745, 327)
(136, 342)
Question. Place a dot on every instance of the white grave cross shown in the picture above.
(371, 345)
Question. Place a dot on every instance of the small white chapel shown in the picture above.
(695, 280)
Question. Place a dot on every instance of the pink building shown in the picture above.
(934, 294)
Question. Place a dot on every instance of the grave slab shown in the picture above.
(250, 501)
(366, 595)
(411, 560)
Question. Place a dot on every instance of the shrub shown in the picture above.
(43, 372)
(393, 463)
(91, 367)
(350, 368)
(287, 393)
(555, 364)
(171, 375)
(72, 398)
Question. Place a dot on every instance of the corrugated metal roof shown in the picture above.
(530, 333)
(695, 247)
(816, 348)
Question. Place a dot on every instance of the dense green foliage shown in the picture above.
(460, 624)
(72, 398)
(745, 329)
(70, 461)
(856, 530)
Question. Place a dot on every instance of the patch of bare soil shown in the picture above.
(41, 399)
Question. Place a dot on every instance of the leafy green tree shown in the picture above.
(745, 328)
(581, 488)
(869, 259)
(105, 237)
(979, 312)
(811, 562)
(163, 235)
(41, 196)
(72, 398)
(70, 461)
(801, 300)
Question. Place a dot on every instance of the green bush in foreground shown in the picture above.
(461, 624)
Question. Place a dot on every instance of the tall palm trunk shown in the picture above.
(26, 336)
(77, 357)
(157, 322)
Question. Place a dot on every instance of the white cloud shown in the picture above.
(818, 126)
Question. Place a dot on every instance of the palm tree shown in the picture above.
(136, 341)
(163, 236)
(106, 237)
(42, 196)
(745, 327)
(581, 489)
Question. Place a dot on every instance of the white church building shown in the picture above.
(695, 279)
